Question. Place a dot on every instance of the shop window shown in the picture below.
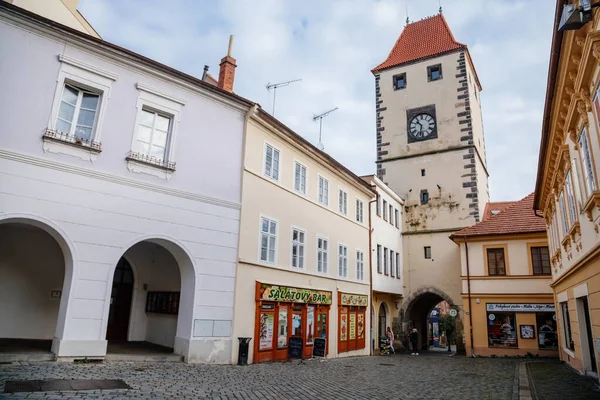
(427, 252)
(546, 327)
(501, 329)
(310, 325)
(322, 324)
(496, 262)
(540, 259)
(297, 323)
(266, 321)
(566, 322)
(282, 328)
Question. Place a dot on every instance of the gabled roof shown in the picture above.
(517, 217)
(495, 207)
(425, 38)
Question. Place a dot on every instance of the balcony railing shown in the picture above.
(146, 159)
(72, 140)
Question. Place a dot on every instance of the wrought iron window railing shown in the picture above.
(50, 134)
(146, 159)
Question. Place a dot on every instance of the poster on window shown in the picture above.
(310, 325)
(527, 331)
(361, 326)
(282, 330)
(344, 327)
(352, 326)
(266, 331)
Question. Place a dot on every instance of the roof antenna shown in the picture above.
(274, 86)
(320, 118)
(407, 20)
(440, 4)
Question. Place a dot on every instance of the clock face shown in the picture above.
(421, 126)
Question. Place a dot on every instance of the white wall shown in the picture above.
(31, 267)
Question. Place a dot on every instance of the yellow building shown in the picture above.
(567, 188)
(304, 258)
(507, 299)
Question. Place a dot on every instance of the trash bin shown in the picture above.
(243, 350)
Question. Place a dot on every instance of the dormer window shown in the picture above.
(434, 72)
(399, 81)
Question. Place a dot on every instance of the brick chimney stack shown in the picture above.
(227, 69)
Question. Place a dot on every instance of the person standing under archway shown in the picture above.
(390, 336)
(414, 340)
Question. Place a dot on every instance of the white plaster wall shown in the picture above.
(103, 209)
(31, 267)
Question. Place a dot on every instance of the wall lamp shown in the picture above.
(574, 18)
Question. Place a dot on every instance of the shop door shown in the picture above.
(588, 327)
(382, 322)
(120, 302)
(352, 329)
(322, 325)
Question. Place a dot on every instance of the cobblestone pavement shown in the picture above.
(432, 376)
(556, 381)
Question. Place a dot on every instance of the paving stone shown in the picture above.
(557, 381)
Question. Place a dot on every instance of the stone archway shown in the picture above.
(417, 307)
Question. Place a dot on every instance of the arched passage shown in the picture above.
(416, 310)
(151, 299)
(383, 319)
(36, 270)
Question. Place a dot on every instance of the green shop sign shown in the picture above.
(297, 295)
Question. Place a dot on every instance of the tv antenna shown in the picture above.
(320, 118)
(274, 86)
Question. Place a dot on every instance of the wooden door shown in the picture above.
(120, 302)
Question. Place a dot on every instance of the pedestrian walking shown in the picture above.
(414, 340)
(390, 336)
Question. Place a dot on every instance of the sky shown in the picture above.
(332, 45)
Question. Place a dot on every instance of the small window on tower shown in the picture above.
(423, 172)
(399, 81)
(427, 251)
(434, 72)
(424, 197)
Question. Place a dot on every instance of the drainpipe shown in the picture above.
(469, 297)
(371, 265)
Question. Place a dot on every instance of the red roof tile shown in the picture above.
(517, 217)
(425, 38)
(495, 207)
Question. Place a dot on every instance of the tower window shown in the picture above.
(424, 197)
(423, 172)
(399, 81)
(427, 251)
(434, 72)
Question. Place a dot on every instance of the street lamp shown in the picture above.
(574, 18)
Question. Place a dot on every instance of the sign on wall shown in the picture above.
(520, 307)
(297, 295)
(359, 300)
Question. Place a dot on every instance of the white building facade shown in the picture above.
(118, 219)
(386, 264)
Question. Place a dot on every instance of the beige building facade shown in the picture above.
(303, 271)
(386, 261)
(64, 12)
(431, 151)
(505, 273)
(568, 191)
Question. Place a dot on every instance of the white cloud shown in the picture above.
(332, 45)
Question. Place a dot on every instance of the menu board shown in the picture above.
(295, 347)
(352, 326)
(319, 347)
(266, 331)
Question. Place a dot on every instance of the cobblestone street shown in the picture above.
(430, 376)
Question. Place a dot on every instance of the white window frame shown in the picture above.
(320, 196)
(343, 211)
(359, 211)
(342, 261)
(296, 189)
(587, 164)
(264, 162)
(563, 212)
(324, 271)
(386, 266)
(260, 233)
(392, 267)
(398, 266)
(89, 78)
(385, 210)
(570, 197)
(360, 265)
(155, 100)
(300, 245)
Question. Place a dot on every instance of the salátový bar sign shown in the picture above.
(296, 295)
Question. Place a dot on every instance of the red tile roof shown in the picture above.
(517, 217)
(495, 207)
(425, 38)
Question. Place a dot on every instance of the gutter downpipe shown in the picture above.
(371, 266)
(469, 297)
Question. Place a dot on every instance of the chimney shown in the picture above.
(227, 69)
(205, 72)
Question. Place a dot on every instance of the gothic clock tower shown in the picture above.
(431, 151)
